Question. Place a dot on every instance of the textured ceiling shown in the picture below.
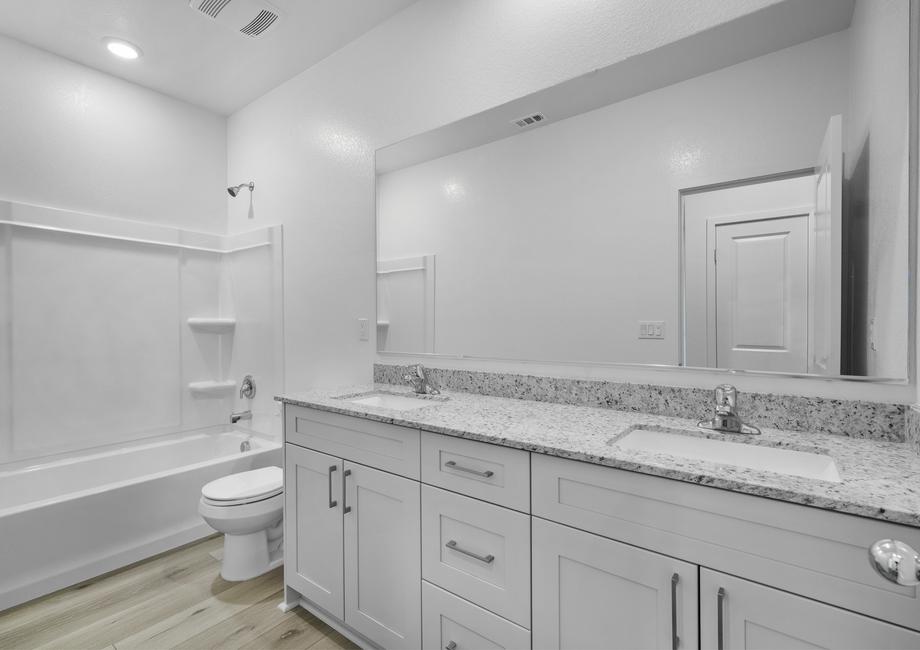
(187, 55)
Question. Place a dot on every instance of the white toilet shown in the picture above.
(247, 508)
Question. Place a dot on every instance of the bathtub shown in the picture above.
(70, 519)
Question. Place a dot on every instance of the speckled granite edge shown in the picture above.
(912, 428)
(855, 419)
(877, 478)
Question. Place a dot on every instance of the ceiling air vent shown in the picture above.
(260, 23)
(212, 7)
(529, 120)
(248, 17)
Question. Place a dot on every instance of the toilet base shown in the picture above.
(249, 556)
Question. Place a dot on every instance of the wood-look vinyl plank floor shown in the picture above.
(174, 600)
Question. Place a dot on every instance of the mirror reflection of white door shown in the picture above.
(711, 339)
(760, 291)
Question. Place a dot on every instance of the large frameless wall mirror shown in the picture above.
(738, 199)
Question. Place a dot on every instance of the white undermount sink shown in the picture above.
(759, 457)
(391, 401)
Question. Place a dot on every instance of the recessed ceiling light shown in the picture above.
(122, 49)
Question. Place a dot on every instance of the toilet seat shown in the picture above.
(244, 487)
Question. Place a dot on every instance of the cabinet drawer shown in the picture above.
(478, 551)
(447, 619)
(385, 446)
(808, 551)
(489, 472)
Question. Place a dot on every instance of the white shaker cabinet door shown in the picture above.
(383, 598)
(313, 527)
(747, 615)
(592, 593)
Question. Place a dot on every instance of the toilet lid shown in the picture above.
(263, 482)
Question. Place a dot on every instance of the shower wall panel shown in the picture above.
(96, 347)
(95, 340)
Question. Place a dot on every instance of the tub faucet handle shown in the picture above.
(248, 387)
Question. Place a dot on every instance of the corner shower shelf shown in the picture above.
(212, 325)
(211, 388)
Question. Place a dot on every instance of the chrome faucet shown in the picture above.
(417, 377)
(242, 415)
(726, 419)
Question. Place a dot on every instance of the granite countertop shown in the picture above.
(880, 480)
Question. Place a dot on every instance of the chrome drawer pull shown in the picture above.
(675, 640)
(451, 646)
(486, 559)
(720, 600)
(332, 504)
(460, 468)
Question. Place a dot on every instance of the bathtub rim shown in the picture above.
(266, 443)
(125, 551)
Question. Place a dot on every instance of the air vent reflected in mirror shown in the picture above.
(529, 120)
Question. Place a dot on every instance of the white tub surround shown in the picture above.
(70, 519)
(185, 316)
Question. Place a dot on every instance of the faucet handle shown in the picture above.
(248, 387)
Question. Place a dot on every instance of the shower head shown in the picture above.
(233, 191)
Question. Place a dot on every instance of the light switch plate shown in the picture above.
(364, 329)
(651, 329)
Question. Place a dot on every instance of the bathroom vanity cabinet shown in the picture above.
(405, 538)
(352, 540)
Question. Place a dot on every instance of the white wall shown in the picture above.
(553, 244)
(877, 178)
(309, 143)
(82, 140)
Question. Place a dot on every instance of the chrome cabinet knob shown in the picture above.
(895, 561)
